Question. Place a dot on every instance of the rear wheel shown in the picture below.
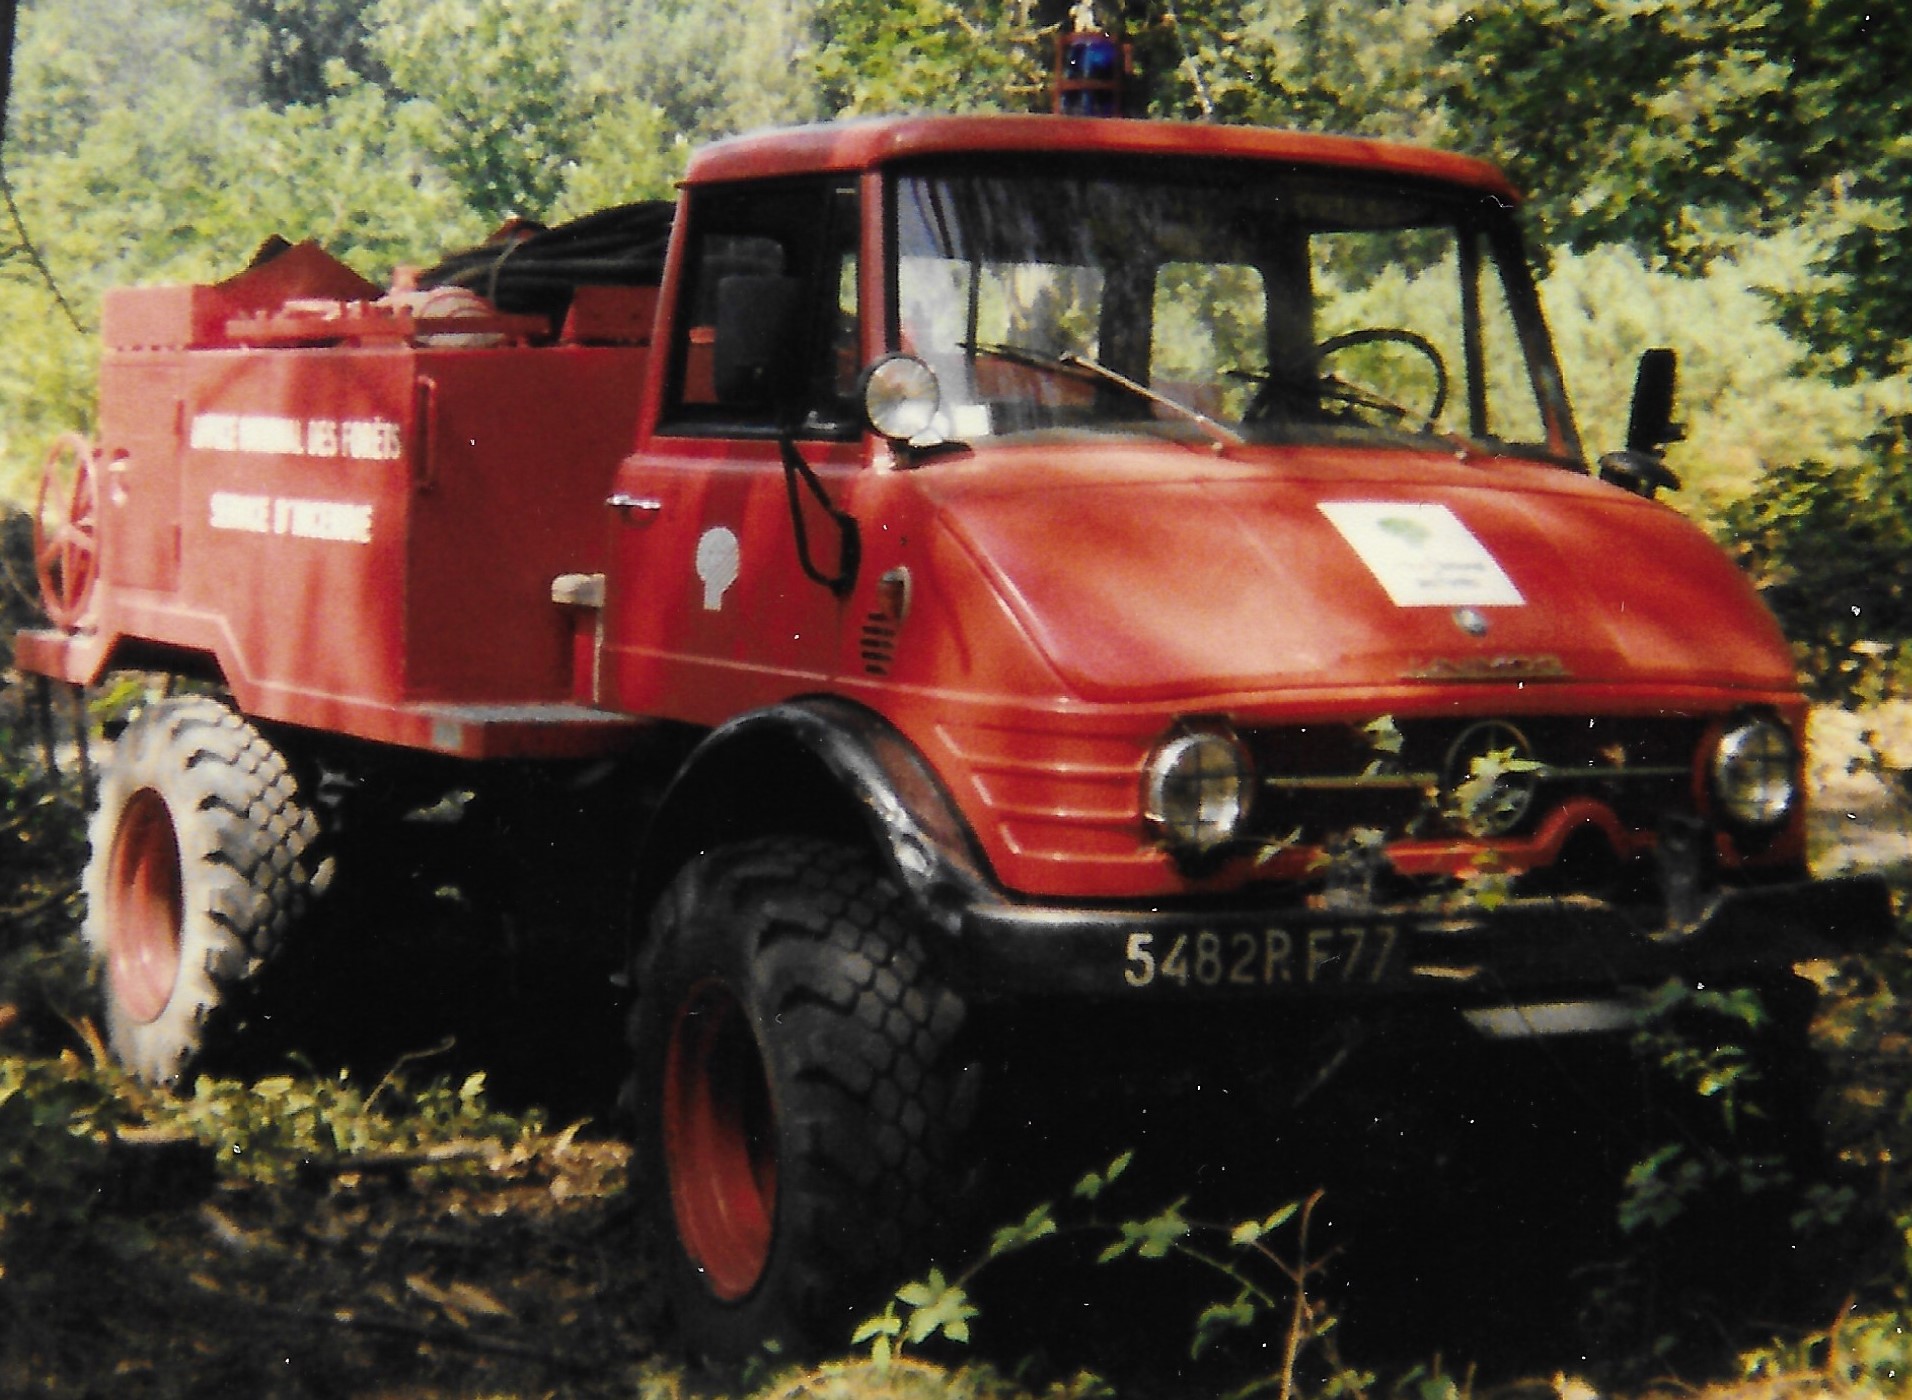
(202, 859)
(798, 1091)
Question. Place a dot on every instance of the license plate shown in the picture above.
(1319, 955)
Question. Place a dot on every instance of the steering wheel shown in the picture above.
(1360, 393)
(66, 531)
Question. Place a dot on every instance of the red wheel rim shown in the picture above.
(143, 908)
(66, 532)
(720, 1141)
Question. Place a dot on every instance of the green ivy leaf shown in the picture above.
(1664, 998)
(1384, 736)
(1152, 1238)
(1742, 1004)
(1277, 846)
(1659, 1187)
(1219, 1318)
(938, 1306)
(1095, 1183)
(1251, 1231)
(884, 1325)
(1038, 1224)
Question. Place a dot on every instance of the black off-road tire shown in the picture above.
(799, 1096)
(203, 859)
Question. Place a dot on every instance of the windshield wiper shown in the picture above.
(1333, 386)
(1068, 359)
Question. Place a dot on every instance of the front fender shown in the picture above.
(818, 767)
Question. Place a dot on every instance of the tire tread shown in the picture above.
(867, 1041)
(247, 842)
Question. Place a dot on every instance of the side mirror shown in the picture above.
(753, 354)
(1650, 426)
(1641, 466)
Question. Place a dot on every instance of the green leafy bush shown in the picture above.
(42, 816)
(272, 1129)
(1827, 547)
(1268, 1267)
(64, 1123)
(56, 1118)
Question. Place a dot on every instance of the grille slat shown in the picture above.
(1327, 780)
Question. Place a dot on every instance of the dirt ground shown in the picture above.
(499, 1273)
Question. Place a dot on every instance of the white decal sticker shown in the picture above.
(347, 522)
(718, 558)
(1422, 554)
(358, 439)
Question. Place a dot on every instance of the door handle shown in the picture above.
(636, 510)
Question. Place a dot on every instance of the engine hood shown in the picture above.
(1140, 580)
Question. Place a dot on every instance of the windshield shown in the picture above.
(1261, 303)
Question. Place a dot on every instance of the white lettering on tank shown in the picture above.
(233, 511)
(215, 432)
(346, 522)
(278, 437)
(271, 435)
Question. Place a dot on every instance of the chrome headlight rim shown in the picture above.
(1753, 774)
(1197, 787)
(901, 397)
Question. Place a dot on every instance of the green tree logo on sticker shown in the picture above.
(1402, 528)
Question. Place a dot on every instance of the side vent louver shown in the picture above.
(879, 644)
(884, 622)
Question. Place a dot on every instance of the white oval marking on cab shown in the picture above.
(718, 558)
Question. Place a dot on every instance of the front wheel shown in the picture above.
(202, 859)
(798, 1090)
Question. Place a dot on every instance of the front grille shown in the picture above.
(1325, 780)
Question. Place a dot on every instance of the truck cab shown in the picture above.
(1134, 474)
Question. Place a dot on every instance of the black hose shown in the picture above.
(535, 271)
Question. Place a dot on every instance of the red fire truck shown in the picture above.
(1013, 561)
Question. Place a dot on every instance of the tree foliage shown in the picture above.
(1828, 548)
(710, 70)
(292, 45)
(489, 86)
(929, 55)
(1295, 63)
(1677, 128)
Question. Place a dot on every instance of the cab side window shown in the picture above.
(767, 338)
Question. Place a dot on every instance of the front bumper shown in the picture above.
(1520, 951)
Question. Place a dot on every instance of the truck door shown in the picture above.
(728, 569)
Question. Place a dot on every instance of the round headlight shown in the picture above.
(1196, 788)
(901, 397)
(1756, 774)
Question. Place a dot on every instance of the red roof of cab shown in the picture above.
(868, 142)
